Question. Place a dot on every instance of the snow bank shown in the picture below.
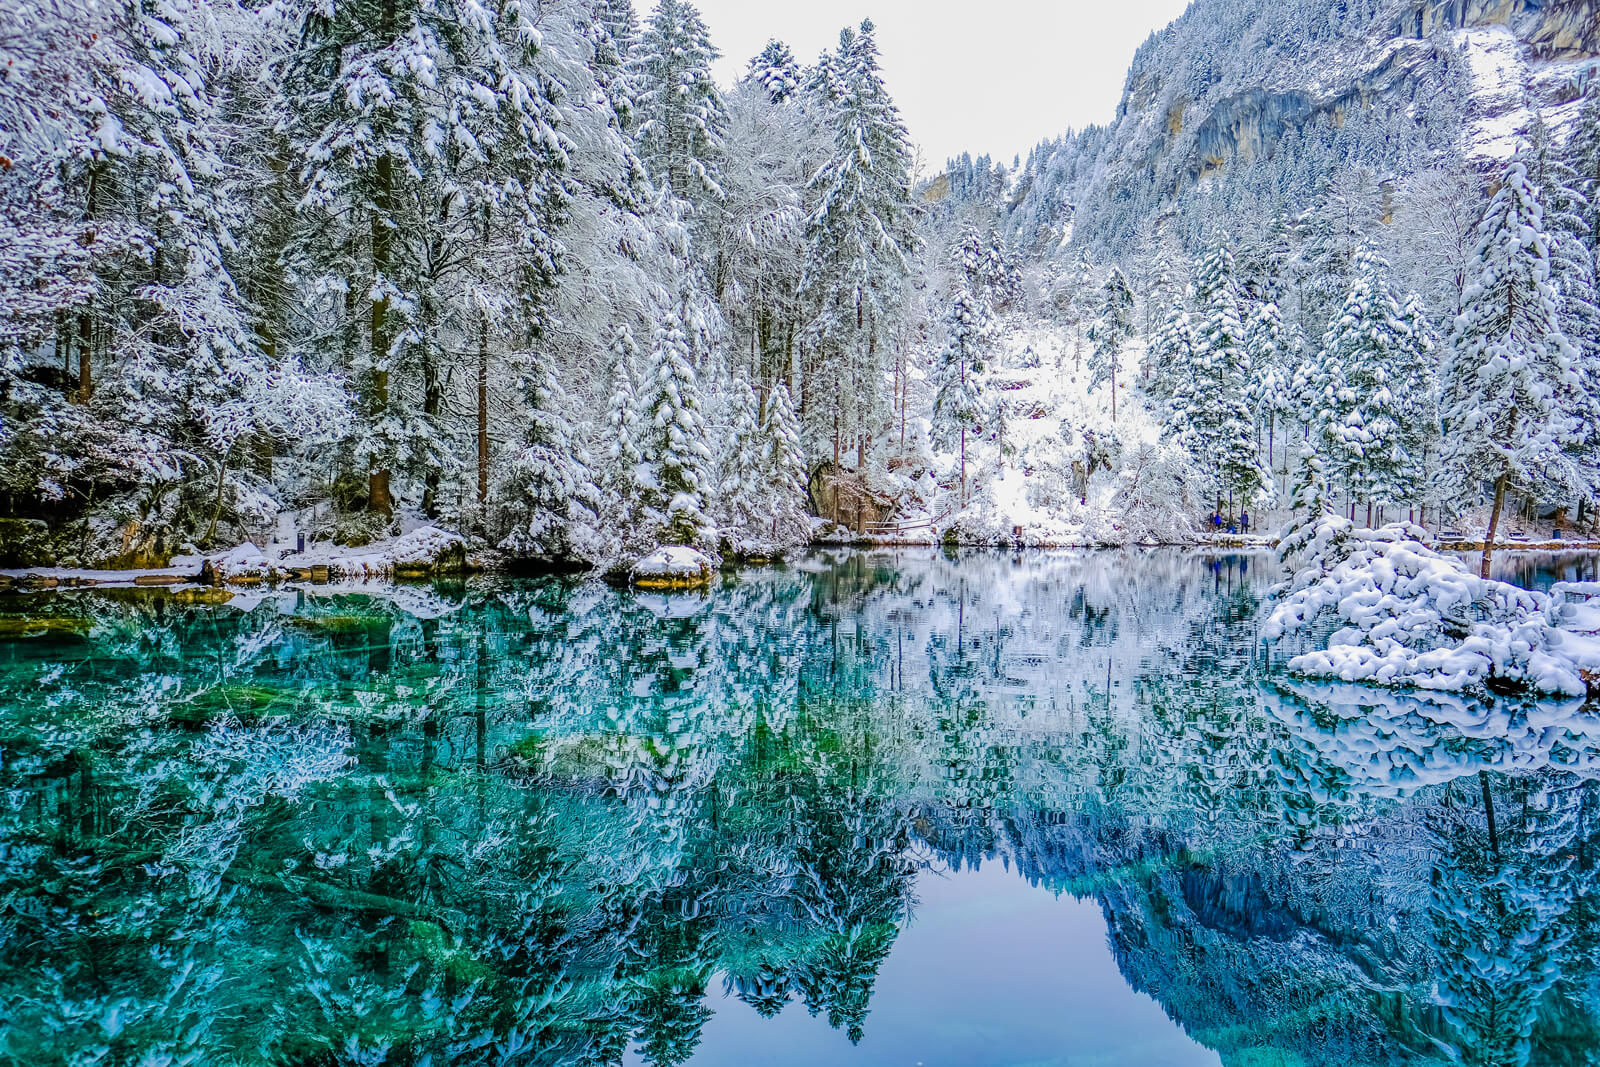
(673, 566)
(1405, 615)
(421, 553)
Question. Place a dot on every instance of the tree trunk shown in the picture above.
(483, 415)
(432, 402)
(216, 510)
(85, 357)
(379, 498)
(963, 466)
(1113, 396)
(1494, 522)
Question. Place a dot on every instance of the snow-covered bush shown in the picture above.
(1158, 490)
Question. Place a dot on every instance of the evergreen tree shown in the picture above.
(959, 365)
(1216, 422)
(1002, 278)
(1573, 276)
(622, 425)
(1415, 385)
(432, 140)
(678, 109)
(547, 481)
(1348, 208)
(675, 450)
(858, 237)
(1584, 149)
(1271, 385)
(614, 29)
(1364, 440)
(1169, 361)
(740, 503)
(776, 72)
(121, 216)
(1309, 503)
(1110, 333)
(784, 469)
(1512, 391)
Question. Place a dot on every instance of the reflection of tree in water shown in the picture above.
(533, 823)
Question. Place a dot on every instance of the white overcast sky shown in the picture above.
(992, 76)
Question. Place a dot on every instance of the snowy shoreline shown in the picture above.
(368, 567)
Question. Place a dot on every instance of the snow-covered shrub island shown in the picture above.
(1388, 609)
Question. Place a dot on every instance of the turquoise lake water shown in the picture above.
(870, 808)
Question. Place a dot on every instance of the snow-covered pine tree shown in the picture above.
(1510, 383)
(50, 244)
(1217, 425)
(1001, 276)
(432, 144)
(1309, 503)
(138, 171)
(1363, 442)
(857, 239)
(676, 454)
(776, 71)
(1583, 150)
(740, 503)
(958, 368)
(1270, 386)
(677, 107)
(1169, 361)
(547, 482)
(1416, 388)
(1348, 208)
(784, 473)
(613, 29)
(1573, 275)
(968, 258)
(622, 428)
(1110, 334)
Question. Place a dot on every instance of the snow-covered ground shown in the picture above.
(1057, 467)
(421, 549)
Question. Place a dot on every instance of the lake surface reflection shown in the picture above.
(871, 808)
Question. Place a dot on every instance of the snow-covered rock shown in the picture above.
(421, 553)
(241, 564)
(430, 548)
(673, 567)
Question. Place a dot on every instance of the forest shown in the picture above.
(527, 272)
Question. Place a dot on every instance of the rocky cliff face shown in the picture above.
(1297, 88)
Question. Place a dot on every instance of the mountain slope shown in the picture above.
(1244, 105)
